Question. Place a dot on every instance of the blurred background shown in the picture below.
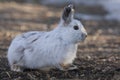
(101, 18)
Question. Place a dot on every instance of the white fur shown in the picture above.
(46, 49)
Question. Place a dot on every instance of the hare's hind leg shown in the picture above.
(16, 64)
(17, 68)
(16, 58)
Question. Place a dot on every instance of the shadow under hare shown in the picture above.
(45, 50)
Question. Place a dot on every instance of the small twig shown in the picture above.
(31, 76)
(8, 74)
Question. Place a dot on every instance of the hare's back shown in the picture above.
(26, 39)
(32, 36)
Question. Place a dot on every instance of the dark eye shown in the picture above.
(76, 27)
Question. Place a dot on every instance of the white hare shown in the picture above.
(53, 49)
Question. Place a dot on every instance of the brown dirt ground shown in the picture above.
(98, 57)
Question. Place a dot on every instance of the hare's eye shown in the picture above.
(76, 27)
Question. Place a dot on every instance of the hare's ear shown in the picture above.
(68, 13)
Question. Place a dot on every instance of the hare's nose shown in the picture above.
(84, 35)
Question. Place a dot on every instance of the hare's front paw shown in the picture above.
(72, 67)
(66, 67)
(17, 68)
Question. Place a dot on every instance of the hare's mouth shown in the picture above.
(84, 36)
(83, 39)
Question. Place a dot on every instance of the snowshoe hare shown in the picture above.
(53, 49)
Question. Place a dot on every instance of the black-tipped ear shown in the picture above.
(68, 13)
